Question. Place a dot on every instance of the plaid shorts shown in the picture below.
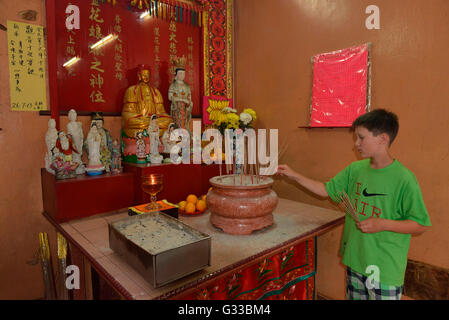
(357, 289)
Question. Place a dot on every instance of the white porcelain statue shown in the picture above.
(153, 132)
(94, 166)
(50, 140)
(75, 129)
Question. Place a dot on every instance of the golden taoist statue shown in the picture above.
(140, 103)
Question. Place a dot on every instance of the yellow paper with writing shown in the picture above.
(26, 51)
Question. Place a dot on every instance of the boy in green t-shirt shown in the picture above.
(390, 207)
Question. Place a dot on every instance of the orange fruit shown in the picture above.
(182, 205)
(192, 198)
(203, 197)
(201, 205)
(190, 207)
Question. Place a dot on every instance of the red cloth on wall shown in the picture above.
(339, 87)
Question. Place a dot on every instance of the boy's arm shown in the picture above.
(372, 225)
(314, 186)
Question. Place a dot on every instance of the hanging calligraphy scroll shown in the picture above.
(341, 88)
(98, 79)
(218, 49)
(26, 50)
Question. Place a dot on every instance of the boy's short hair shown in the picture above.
(378, 121)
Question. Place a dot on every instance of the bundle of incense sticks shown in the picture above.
(44, 250)
(347, 206)
(63, 293)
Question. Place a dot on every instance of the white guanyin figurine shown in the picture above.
(153, 132)
(94, 167)
(106, 140)
(168, 144)
(180, 95)
(50, 140)
(75, 129)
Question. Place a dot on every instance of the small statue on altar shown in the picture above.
(62, 161)
(141, 101)
(75, 129)
(116, 157)
(50, 140)
(155, 143)
(93, 141)
(140, 148)
(168, 144)
(62, 168)
(180, 96)
(106, 140)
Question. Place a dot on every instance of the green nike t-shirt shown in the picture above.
(389, 193)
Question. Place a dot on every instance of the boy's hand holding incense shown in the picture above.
(371, 225)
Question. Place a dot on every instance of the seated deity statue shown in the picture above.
(141, 101)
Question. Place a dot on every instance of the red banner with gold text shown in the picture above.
(98, 80)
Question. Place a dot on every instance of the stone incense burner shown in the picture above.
(241, 204)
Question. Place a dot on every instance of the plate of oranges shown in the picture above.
(193, 205)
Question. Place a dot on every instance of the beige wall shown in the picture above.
(274, 41)
(23, 146)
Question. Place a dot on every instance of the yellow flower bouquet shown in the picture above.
(229, 119)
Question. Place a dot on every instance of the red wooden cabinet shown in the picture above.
(84, 196)
(179, 180)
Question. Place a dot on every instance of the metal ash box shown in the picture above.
(161, 248)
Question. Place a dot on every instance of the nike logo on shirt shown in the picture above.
(366, 194)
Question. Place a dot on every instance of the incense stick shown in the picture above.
(347, 206)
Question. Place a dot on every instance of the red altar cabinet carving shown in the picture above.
(288, 275)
